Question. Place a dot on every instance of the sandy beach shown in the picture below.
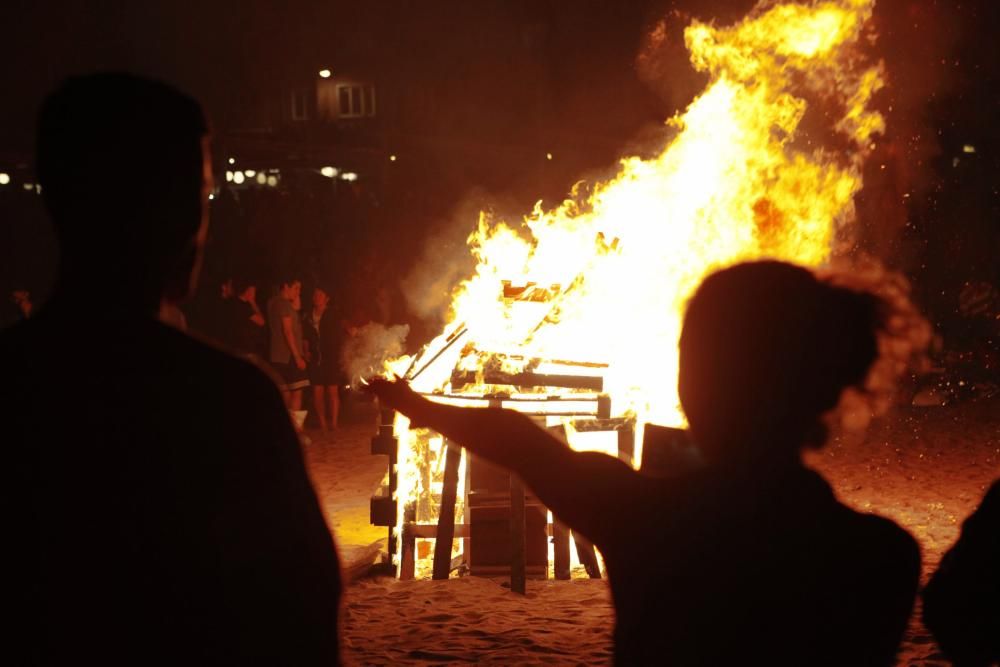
(926, 468)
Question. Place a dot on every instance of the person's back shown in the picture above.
(962, 599)
(148, 523)
(765, 569)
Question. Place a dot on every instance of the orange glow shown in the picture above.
(619, 259)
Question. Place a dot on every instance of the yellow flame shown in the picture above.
(739, 180)
(735, 183)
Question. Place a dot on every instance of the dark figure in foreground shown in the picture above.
(962, 600)
(149, 523)
(751, 559)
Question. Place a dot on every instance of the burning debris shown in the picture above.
(603, 279)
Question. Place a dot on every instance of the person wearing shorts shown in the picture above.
(286, 351)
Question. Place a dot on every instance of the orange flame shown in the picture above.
(733, 184)
(739, 180)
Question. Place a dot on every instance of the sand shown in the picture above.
(926, 468)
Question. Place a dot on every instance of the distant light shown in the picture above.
(325, 74)
(272, 181)
(211, 195)
(29, 186)
(392, 158)
(548, 156)
(238, 177)
(249, 173)
(232, 160)
(229, 177)
(329, 172)
(262, 178)
(4, 178)
(968, 148)
(349, 176)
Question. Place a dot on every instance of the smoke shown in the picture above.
(904, 338)
(367, 350)
(445, 260)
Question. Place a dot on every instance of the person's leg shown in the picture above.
(296, 400)
(333, 391)
(318, 404)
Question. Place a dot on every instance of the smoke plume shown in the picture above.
(369, 347)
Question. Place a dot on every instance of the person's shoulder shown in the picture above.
(888, 542)
(208, 357)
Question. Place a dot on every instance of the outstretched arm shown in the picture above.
(588, 491)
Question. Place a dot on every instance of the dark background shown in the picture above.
(472, 95)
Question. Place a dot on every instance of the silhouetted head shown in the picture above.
(320, 298)
(765, 351)
(290, 288)
(125, 173)
(245, 289)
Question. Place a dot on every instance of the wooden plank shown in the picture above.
(527, 379)
(408, 563)
(560, 542)
(518, 549)
(626, 444)
(587, 555)
(446, 516)
(466, 541)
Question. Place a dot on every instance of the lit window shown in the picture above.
(355, 101)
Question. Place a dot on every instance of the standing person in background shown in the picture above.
(286, 353)
(148, 523)
(323, 339)
(248, 328)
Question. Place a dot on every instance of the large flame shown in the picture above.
(735, 183)
(738, 180)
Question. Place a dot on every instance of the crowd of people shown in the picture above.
(152, 523)
(301, 346)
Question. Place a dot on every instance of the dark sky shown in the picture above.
(231, 54)
(530, 73)
(491, 64)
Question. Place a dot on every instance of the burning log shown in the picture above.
(408, 556)
(527, 379)
(460, 331)
(446, 518)
(560, 551)
(518, 550)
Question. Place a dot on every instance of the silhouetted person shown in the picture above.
(149, 523)
(751, 559)
(962, 600)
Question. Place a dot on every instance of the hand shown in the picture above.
(395, 394)
(300, 363)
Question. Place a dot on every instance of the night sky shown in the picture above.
(541, 74)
